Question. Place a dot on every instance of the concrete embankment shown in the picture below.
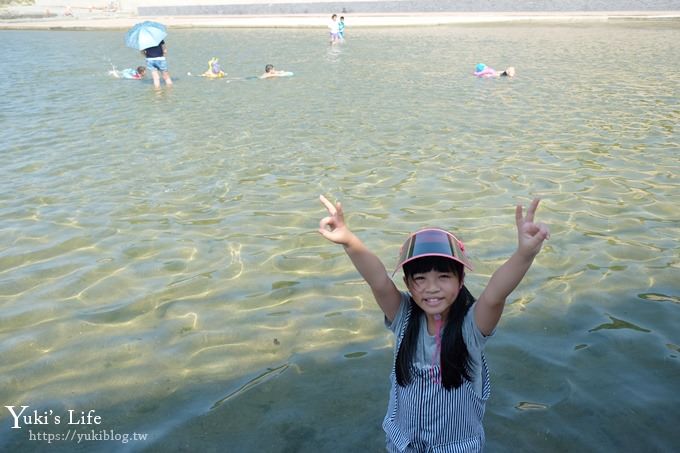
(107, 14)
(293, 7)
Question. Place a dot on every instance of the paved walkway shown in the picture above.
(183, 7)
(359, 14)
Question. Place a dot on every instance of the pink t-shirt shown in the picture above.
(487, 72)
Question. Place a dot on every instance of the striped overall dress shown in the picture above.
(425, 417)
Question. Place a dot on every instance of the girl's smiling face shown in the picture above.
(434, 291)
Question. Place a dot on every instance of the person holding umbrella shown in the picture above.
(148, 37)
(155, 62)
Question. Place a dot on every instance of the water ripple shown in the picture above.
(159, 253)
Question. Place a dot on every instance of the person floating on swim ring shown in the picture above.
(485, 72)
(214, 71)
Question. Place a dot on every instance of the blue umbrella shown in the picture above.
(145, 34)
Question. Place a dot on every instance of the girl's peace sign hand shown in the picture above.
(530, 234)
(333, 226)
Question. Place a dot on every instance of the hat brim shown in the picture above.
(432, 242)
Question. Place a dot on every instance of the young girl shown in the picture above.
(439, 381)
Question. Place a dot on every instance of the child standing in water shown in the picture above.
(341, 29)
(439, 381)
(333, 29)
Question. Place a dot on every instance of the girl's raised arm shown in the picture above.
(506, 278)
(333, 228)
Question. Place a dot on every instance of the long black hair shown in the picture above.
(455, 358)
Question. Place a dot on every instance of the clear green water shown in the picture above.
(159, 260)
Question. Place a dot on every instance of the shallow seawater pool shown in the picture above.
(160, 265)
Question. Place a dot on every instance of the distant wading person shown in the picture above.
(341, 28)
(334, 29)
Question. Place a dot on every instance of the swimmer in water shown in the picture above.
(270, 72)
(129, 73)
(485, 72)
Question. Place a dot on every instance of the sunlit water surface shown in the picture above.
(159, 260)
